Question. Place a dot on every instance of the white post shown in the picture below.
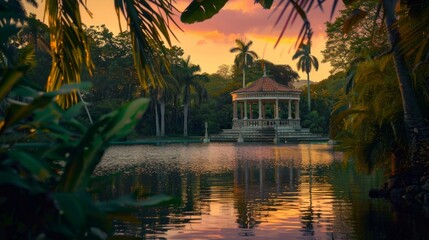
(206, 136)
(251, 110)
(277, 108)
(263, 111)
(297, 110)
(234, 110)
(245, 110)
(289, 109)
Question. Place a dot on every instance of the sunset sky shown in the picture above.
(208, 43)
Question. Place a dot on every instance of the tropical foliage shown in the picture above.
(46, 186)
(368, 130)
(411, 152)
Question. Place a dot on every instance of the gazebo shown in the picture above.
(262, 94)
(266, 111)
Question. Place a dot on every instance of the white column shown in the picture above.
(251, 110)
(289, 109)
(277, 108)
(234, 110)
(260, 109)
(245, 110)
(263, 111)
(297, 110)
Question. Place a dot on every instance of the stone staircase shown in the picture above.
(267, 135)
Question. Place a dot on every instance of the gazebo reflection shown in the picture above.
(263, 187)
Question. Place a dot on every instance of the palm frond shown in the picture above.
(414, 27)
(244, 53)
(69, 47)
(148, 25)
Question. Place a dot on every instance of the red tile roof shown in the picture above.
(266, 84)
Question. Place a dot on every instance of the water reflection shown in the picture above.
(247, 191)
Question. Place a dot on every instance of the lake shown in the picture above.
(253, 191)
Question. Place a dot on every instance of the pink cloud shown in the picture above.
(241, 18)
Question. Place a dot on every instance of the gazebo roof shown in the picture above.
(266, 84)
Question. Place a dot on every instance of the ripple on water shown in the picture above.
(241, 191)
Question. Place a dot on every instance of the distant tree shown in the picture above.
(190, 81)
(245, 56)
(306, 62)
(281, 73)
(224, 71)
(363, 42)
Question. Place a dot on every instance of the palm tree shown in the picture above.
(155, 95)
(148, 24)
(36, 33)
(189, 79)
(244, 56)
(167, 94)
(305, 62)
(159, 96)
(417, 127)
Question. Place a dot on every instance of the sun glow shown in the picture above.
(208, 43)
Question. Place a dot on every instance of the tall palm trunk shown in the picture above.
(308, 92)
(162, 106)
(185, 119)
(36, 49)
(244, 70)
(157, 120)
(417, 129)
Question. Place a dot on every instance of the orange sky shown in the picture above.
(208, 43)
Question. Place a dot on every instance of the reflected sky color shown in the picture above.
(208, 43)
(237, 191)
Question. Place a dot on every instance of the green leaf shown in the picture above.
(76, 125)
(95, 217)
(73, 111)
(36, 167)
(10, 78)
(109, 127)
(18, 111)
(125, 119)
(200, 10)
(69, 88)
(8, 178)
(24, 91)
(71, 209)
(266, 4)
(49, 114)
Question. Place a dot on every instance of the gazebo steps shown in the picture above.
(267, 135)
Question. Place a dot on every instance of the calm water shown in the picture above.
(253, 191)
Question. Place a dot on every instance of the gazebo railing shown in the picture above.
(266, 123)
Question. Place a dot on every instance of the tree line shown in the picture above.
(186, 99)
